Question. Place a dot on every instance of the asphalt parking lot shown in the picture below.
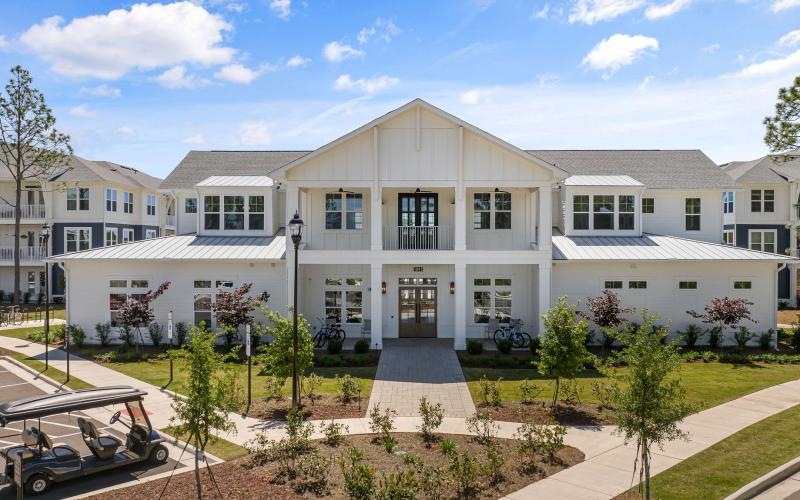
(64, 429)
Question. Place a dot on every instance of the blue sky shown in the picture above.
(143, 83)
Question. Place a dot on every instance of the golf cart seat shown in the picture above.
(102, 446)
(30, 437)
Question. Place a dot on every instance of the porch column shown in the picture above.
(792, 285)
(376, 306)
(545, 271)
(545, 218)
(376, 218)
(292, 206)
(460, 334)
(460, 228)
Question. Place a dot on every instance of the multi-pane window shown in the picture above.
(150, 233)
(234, 212)
(111, 200)
(77, 239)
(120, 290)
(603, 211)
(692, 214)
(151, 204)
(763, 241)
(255, 216)
(237, 212)
(742, 285)
(190, 205)
(205, 293)
(211, 212)
(728, 237)
(354, 211)
(127, 202)
(344, 298)
(762, 200)
(491, 298)
(687, 285)
(727, 202)
(127, 235)
(77, 199)
(580, 212)
(483, 204)
(612, 284)
(344, 206)
(648, 205)
(111, 237)
(637, 285)
(627, 207)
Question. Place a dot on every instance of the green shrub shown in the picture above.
(309, 385)
(603, 393)
(432, 417)
(359, 478)
(277, 357)
(464, 474)
(736, 358)
(544, 439)
(335, 346)
(492, 467)
(156, 333)
(708, 357)
(77, 335)
(108, 357)
(535, 344)
(692, 356)
(382, 422)
(490, 391)
(691, 335)
(334, 433)
(181, 332)
(504, 346)
(742, 336)
(103, 333)
(447, 446)
(312, 473)
(433, 482)
(715, 337)
(483, 427)
(361, 346)
(474, 346)
(765, 339)
(274, 386)
(40, 298)
(26, 297)
(349, 389)
(398, 486)
(127, 335)
(529, 391)
(570, 393)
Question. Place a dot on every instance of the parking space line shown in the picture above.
(13, 385)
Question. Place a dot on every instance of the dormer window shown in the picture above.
(233, 213)
(627, 207)
(580, 212)
(603, 211)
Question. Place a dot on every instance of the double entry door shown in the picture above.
(418, 224)
(417, 312)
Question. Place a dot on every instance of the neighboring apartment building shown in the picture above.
(763, 213)
(425, 226)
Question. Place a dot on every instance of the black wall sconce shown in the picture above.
(383, 288)
(452, 287)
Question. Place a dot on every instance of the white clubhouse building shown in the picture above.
(426, 226)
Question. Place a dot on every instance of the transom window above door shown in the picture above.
(347, 208)
(491, 210)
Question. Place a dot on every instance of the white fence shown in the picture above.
(418, 238)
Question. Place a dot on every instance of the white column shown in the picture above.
(545, 218)
(292, 206)
(793, 285)
(533, 196)
(376, 218)
(460, 220)
(545, 272)
(376, 305)
(460, 341)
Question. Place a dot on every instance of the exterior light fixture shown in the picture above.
(452, 287)
(383, 288)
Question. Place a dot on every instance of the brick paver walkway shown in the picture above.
(412, 368)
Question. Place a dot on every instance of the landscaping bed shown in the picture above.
(577, 414)
(324, 407)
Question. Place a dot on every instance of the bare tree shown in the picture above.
(30, 146)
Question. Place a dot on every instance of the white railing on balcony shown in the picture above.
(28, 211)
(25, 253)
(418, 238)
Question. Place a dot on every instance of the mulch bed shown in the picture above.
(579, 414)
(325, 407)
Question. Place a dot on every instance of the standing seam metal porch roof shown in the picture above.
(187, 247)
(652, 247)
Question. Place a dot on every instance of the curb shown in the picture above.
(33, 372)
(766, 481)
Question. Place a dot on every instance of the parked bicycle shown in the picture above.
(513, 332)
(328, 331)
(11, 316)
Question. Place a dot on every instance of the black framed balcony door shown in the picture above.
(418, 221)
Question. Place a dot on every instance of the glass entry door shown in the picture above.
(417, 312)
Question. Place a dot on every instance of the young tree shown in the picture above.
(233, 310)
(30, 146)
(278, 356)
(562, 352)
(783, 129)
(606, 312)
(725, 313)
(136, 312)
(647, 399)
(211, 392)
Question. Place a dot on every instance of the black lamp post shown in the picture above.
(45, 232)
(296, 232)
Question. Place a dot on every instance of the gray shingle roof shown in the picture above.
(83, 170)
(764, 170)
(656, 169)
(197, 166)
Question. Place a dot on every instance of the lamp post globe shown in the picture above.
(296, 233)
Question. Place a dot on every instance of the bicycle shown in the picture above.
(514, 333)
(328, 331)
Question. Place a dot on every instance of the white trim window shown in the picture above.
(347, 207)
(150, 233)
(111, 200)
(233, 218)
(190, 206)
(687, 285)
(127, 235)
(127, 202)
(491, 210)
(77, 238)
(603, 212)
(729, 237)
(762, 240)
(255, 213)
(120, 289)
(344, 298)
(648, 205)
(580, 212)
(626, 218)
(112, 236)
(637, 285)
(204, 294)
(491, 298)
(151, 204)
(727, 202)
(740, 284)
(77, 199)
(612, 284)
(692, 214)
(238, 212)
(211, 212)
(762, 200)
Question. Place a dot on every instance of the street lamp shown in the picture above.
(296, 232)
(45, 233)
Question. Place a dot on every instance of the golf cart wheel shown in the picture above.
(159, 454)
(37, 484)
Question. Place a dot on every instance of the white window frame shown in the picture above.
(686, 214)
(77, 240)
(492, 289)
(150, 233)
(493, 210)
(74, 194)
(679, 281)
(614, 214)
(652, 202)
(637, 281)
(186, 205)
(127, 235)
(762, 201)
(346, 284)
(128, 290)
(151, 203)
(111, 200)
(114, 233)
(604, 282)
(344, 212)
(127, 202)
(728, 200)
(761, 243)
(732, 234)
(737, 279)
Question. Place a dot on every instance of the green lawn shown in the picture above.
(733, 462)
(708, 384)
(216, 446)
(19, 333)
(157, 373)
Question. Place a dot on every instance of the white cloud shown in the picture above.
(790, 39)
(542, 13)
(592, 11)
(298, 61)
(237, 7)
(646, 81)
(3, 42)
(382, 29)
(711, 48)
(126, 131)
(102, 91)
(338, 52)
(82, 111)
(474, 96)
(779, 5)
(194, 139)
(666, 10)
(617, 51)
(145, 37)
(547, 79)
(236, 73)
(281, 8)
(254, 134)
(366, 85)
(778, 66)
(176, 78)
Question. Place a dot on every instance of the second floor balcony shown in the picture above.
(26, 254)
(418, 238)
(28, 212)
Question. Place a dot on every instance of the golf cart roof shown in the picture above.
(68, 401)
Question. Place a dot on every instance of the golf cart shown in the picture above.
(44, 462)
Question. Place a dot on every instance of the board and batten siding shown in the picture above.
(669, 215)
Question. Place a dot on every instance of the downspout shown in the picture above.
(63, 267)
(780, 268)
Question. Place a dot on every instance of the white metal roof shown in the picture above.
(236, 181)
(602, 180)
(652, 247)
(187, 247)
